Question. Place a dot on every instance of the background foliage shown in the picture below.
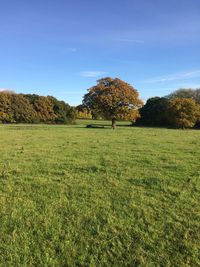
(110, 98)
(180, 109)
(20, 108)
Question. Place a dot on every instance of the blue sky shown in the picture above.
(62, 47)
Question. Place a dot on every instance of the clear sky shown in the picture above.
(61, 47)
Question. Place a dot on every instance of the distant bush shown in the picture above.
(154, 112)
(172, 112)
(193, 94)
(183, 112)
(20, 108)
(83, 112)
(64, 112)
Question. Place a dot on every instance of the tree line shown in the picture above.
(108, 99)
(113, 98)
(32, 108)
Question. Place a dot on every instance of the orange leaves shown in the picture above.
(113, 98)
(183, 112)
(18, 108)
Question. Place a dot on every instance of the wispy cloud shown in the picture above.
(5, 89)
(175, 31)
(174, 77)
(92, 73)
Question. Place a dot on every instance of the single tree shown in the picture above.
(113, 98)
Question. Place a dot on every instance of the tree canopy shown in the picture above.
(83, 112)
(154, 112)
(21, 108)
(173, 112)
(183, 112)
(186, 93)
(113, 98)
(108, 99)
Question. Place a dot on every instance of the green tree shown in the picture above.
(113, 98)
(64, 112)
(154, 112)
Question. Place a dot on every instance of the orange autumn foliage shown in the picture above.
(113, 98)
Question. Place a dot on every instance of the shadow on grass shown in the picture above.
(98, 126)
(102, 126)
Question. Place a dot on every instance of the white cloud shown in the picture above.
(174, 77)
(92, 73)
(5, 89)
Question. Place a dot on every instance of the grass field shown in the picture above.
(72, 196)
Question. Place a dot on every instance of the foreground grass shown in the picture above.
(71, 196)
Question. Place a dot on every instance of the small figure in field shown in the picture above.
(113, 123)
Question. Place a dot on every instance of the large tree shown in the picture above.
(113, 98)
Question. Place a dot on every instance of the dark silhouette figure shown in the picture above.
(113, 123)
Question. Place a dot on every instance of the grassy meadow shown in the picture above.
(75, 196)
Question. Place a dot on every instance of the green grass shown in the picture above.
(72, 196)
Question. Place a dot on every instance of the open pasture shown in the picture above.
(72, 196)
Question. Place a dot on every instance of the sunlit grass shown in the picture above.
(72, 196)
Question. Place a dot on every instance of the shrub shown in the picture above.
(154, 112)
(183, 112)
